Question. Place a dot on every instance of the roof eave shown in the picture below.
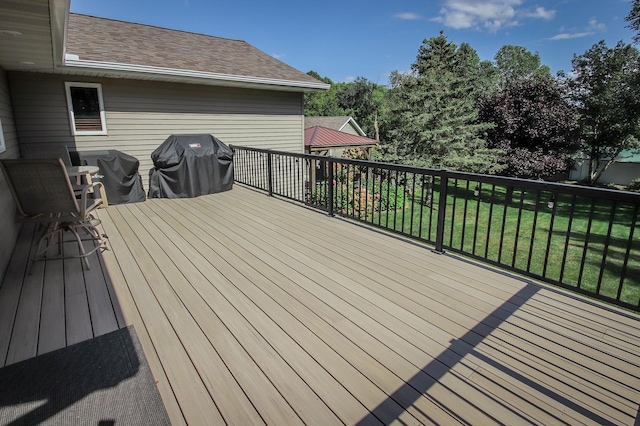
(357, 127)
(190, 76)
(59, 17)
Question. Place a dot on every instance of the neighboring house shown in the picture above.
(332, 135)
(94, 84)
(624, 170)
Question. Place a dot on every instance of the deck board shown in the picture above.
(435, 316)
(27, 319)
(52, 315)
(195, 402)
(255, 310)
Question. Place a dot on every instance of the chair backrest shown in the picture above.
(42, 151)
(40, 187)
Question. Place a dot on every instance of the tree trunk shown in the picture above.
(429, 200)
(376, 126)
(595, 171)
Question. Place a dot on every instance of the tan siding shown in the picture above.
(7, 207)
(140, 115)
(350, 130)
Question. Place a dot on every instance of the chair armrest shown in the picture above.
(85, 207)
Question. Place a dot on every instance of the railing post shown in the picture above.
(442, 209)
(330, 188)
(270, 173)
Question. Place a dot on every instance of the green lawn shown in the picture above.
(474, 223)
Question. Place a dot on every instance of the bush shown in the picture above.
(379, 195)
(634, 185)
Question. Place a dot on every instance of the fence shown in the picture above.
(581, 238)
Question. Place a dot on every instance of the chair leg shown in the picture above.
(83, 253)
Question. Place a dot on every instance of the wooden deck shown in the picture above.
(253, 310)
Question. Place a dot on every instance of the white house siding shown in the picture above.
(140, 115)
(619, 173)
(7, 207)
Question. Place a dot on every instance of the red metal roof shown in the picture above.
(323, 137)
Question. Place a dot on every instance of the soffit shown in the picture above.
(28, 39)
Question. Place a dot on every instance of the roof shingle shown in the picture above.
(111, 41)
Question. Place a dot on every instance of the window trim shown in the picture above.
(72, 121)
(3, 145)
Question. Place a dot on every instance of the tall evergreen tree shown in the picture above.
(435, 120)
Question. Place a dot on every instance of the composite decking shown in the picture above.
(253, 310)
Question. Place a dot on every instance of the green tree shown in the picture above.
(483, 75)
(515, 62)
(361, 99)
(324, 102)
(434, 121)
(606, 88)
(364, 101)
(534, 124)
(634, 20)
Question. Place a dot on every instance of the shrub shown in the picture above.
(379, 195)
(634, 185)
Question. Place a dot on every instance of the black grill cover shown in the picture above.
(118, 173)
(190, 165)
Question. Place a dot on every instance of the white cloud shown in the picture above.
(592, 28)
(594, 25)
(566, 36)
(489, 14)
(278, 55)
(408, 16)
(542, 13)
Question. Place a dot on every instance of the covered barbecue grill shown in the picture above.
(188, 166)
(118, 173)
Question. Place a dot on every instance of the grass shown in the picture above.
(558, 238)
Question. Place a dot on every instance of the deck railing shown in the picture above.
(581, 238)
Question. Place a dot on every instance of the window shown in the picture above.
(86, 109)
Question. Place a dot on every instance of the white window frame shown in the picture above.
(3, 146)
(72, 121)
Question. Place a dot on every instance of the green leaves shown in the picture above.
(535, 125)
(516, 62)
(605, 86)
(434, 121)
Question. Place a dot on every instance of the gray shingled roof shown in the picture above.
(111, 41)
(332, 122)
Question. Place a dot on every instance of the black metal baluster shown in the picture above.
(489, 220)
(475, 229)
(533, 229)
(586, 242)
(464, 215)
(554, 205)
(623, 273)
(568, 237)
(453, 211)
(605, 250)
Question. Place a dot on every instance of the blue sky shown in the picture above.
(347, 39)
